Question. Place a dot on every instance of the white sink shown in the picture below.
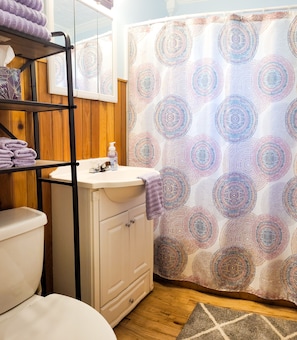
(123, 194)
(120, 185)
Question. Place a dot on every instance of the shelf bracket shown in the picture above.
(27, 64)
(7, 132)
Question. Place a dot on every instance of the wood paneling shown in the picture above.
(96, 124)
(16, 189)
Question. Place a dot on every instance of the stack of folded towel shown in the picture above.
(25, 16)
(15, 152)
(6, 158)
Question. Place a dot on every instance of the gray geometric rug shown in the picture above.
(209, 322)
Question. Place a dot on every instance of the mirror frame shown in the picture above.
(59, 90)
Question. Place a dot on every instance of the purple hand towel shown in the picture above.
(5, 154)
(19, 162)
(25, 153)
(35, 4)
(12, 144)
(23, 25)
(23, 11)
(5, 164)
(153, 195)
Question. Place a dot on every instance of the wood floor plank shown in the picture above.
(163, 313)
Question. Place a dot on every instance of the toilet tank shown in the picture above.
(21, 255)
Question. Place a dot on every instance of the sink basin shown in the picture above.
(124, 176)
(123, 194)
(119, 186)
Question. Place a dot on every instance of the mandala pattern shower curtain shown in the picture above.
(213, 107)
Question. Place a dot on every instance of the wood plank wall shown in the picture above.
(96, 124)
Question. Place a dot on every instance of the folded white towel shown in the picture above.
(153, 194)
(26, 153)
(12, 144)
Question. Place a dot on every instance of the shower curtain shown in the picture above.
(213, 107)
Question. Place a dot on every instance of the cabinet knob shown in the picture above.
(132, 221)
(131, 300)
(127, 225)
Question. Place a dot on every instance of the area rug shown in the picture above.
(209, 322)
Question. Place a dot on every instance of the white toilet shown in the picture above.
(24, 315)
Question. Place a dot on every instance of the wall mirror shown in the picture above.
(92, 32)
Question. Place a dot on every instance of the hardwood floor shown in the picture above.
(162, 314)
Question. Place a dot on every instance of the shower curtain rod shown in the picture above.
(207, 14)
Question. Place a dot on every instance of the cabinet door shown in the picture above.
(141, 242)
(114, 256)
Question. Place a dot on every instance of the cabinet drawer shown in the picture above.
(118, 308)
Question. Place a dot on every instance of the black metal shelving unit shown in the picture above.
(31, 49)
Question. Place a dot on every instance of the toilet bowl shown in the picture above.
(55, 317)
(23, 314)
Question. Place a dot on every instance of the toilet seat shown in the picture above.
(55, 317)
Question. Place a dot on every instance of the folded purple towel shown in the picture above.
(23, 11)
(35, 4)
(12, 144)
(23, 25)
(25, 153)
(5, 153)
(153, 194)
(5, 164)
(19, 162)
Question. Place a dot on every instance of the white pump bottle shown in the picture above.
(113, 156)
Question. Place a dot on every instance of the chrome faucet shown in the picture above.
(100, 168)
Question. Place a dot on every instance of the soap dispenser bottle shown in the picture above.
(113, 156)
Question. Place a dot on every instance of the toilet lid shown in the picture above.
(56, 317)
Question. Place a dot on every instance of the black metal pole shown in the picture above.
(36, 133)
(71, 106)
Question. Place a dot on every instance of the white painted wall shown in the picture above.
(134, 11)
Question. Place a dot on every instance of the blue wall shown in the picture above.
(229, 5)
(133, 11)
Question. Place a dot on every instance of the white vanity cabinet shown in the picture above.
(125, 261)
(116, 247)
